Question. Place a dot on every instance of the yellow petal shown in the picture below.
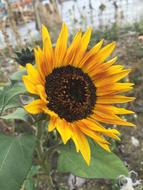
(114, 99)
(35, 107)
(82, 47)
(111, 79)
(64, 129)
(112, 109)
(114, 88)
(97, 70)
(113, 134)
(61, 46)
(83, 144)
(115, 120)
(102, 72)
(75, 142)
(42, 93)
(40, 62)
(72, 50)
(30, 87)
(34, 74)
(90, 54)
(109, 63)
(52, 124)
(104, 146)
(92, 134)
(100, 57)
(105, 52)
(45, 35)
(95, 126)
(47, 49)
(49, 112)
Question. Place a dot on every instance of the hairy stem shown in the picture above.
(45, 163)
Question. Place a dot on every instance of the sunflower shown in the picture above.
(76, 88)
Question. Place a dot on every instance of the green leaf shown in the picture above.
(103, 164)
(9, 96)
(19, 114)
(15, 160)
(29, 182)
(17, 76)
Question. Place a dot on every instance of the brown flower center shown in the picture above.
(71, 93)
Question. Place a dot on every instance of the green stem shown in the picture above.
(45, 163)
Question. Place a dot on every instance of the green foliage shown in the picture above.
(103, 164)
(19, 114)
(29, 182)
(138, 27)
(108, 33)
(15, 160)
(9, 96)
(17, 76)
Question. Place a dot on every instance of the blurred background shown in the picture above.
(113, 20)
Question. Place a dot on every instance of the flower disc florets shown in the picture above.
(71, 93)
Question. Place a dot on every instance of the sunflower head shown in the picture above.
(78, 88)
(25, 56)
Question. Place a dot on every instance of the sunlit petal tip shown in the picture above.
(133, 125)
(44, 29)
(109, 150)
(115, 131)
(64, 27)
(130, 112)
(102, 41)
(113, 43)
(118, 138)
(115, 58)
(80, 31)
(89, 30)
(88, 162)
(45, 33)
(64, 24)
(105, 146)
